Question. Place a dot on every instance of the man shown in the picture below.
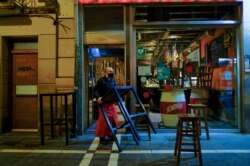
(103, 86)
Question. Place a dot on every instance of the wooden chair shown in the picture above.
(201, 77)
(202, 111)
(205, 77)
(141, 123)
(202, 108)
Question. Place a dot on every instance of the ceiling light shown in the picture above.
(174, 37)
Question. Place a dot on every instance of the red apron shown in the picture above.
(102, 128)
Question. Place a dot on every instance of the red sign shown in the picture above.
(173, 107)
(145, 1)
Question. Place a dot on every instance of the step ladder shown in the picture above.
(115, 96)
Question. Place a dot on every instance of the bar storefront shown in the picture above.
(180, 52)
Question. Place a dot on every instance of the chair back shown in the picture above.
(205, 77)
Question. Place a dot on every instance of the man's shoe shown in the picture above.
(111, 138)
(103, 140)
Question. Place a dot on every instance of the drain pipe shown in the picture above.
(79, 71)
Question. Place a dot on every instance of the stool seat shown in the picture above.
(188, 116)
(199, 108)
(146, 106)
(192, 130)
(197, 105)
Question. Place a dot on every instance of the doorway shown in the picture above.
(24, 90)
(100, 57)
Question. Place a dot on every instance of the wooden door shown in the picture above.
(24, 91)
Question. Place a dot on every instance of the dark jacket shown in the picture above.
(103, 86)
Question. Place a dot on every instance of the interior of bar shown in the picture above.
(177, 73)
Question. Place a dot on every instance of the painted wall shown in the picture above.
(211, 35)
(56, 50)
(218, 81)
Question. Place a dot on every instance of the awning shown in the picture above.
(149, 1)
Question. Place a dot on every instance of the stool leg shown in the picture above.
(176, 140)
(195, 135)
(206, 124)
(149, 132)
(199, 146)
(179, 142)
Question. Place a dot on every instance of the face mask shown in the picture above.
(111, 75)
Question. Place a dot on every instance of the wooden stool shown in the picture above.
(188, 131)
(198, 109)
(141, 123)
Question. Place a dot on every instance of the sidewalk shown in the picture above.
(223, 149)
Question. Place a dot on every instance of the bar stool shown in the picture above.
(192, 130)
(140, 122)
(200, 109)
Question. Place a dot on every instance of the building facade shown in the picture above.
(52, 47)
